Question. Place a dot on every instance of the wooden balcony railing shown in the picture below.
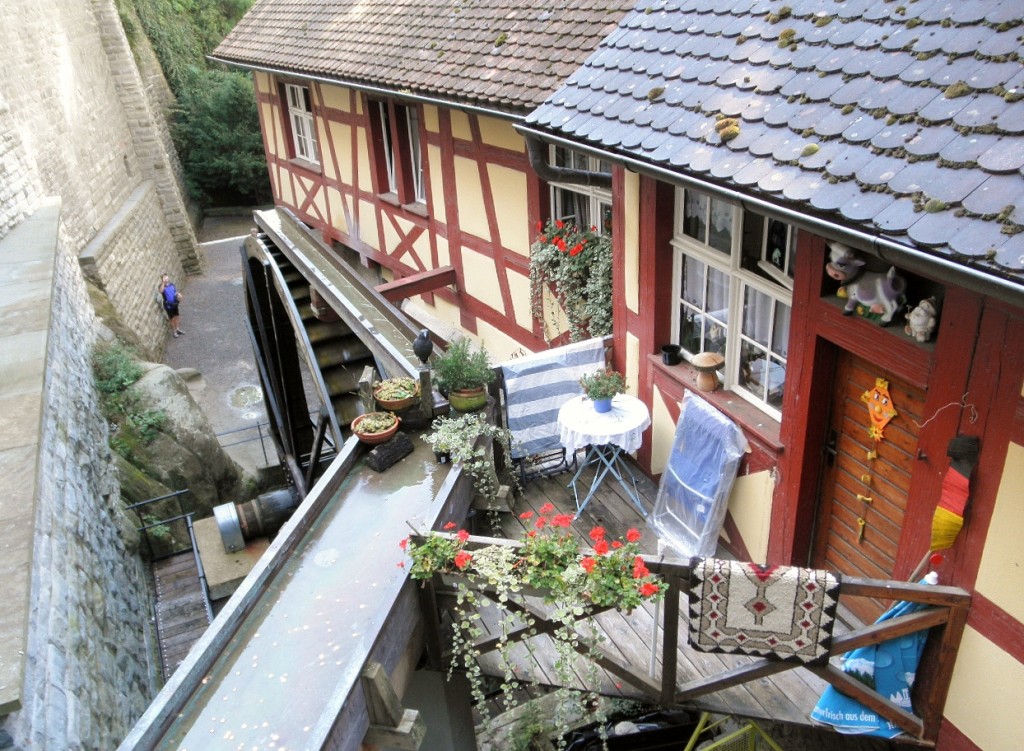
(945, 617)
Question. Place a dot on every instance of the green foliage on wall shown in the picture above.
(215, 125)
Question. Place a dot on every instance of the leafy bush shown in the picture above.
(133, 425)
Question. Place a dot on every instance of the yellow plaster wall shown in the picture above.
(284, 182)
(986, 694)
(336, 97)
(391, 237)
(437, 207)
(337, 207)
(1001, 573)
(341, 135)
(508, 186)
(469, 194)
(500, 346)
(444, 257)
(460, 126)
(368, 224)
(663, 430)
(262, 82)
(631, 249)
(481, 279)
(365, 183)
(500, 133)
(324, 145)
(750, 506)
(269, 118)
(632, 364)
(421, 248)
(430, 119)
(519, 289)
(320, 202)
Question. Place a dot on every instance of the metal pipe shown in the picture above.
(552, 174)
(912, 259)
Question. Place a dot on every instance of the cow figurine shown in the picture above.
(879, 293)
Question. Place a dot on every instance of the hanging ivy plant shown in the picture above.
(576, 266)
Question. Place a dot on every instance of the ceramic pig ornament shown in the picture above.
(879, 293)
(921, 321)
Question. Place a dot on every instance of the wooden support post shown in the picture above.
(390, 724)
(366, 389)
(670, 639)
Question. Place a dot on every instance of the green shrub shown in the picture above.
(133, 425)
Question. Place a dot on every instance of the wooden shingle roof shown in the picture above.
(904, 120)
(507, 55)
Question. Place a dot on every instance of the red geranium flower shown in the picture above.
(541, 523)
(648, 588)
(450, 525)
(463, 535)
(539, 225)
(547, 508)
(559, 242)
(588, 564)
(559, 223)
(462, 559)
(576, 249)
(404, 543)
(526, 515)
(616, 544)
(640, 569)
(597, 534)
(601, 547)
(531, 533)
(562, 520)
(632, 534)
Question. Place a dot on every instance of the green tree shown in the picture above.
(217, 133)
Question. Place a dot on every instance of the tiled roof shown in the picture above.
(502, 54)
(903, 119)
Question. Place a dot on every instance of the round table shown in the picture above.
(609, 435)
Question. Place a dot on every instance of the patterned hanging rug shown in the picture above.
(782, 612)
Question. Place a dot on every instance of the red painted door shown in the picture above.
(864, 497)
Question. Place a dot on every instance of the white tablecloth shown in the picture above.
(581, 425)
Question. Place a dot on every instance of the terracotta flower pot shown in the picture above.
(373, 439)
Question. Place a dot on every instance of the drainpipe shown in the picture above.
(537, 151)
(888, 250)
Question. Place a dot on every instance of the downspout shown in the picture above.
(536, 149)
(884, 248)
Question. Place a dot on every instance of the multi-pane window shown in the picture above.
(397, 135)
(582, 205)
(733, 272)
(300, 116)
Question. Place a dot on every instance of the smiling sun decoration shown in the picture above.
(880, 407)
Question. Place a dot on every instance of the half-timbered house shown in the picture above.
(731, 148)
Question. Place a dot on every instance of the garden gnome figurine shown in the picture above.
(423, 346)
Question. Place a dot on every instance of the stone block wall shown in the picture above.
(125, 260)
(89, 669)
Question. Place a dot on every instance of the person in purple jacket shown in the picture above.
(171, 298)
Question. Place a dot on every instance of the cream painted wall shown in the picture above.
(631, 250)
(430, 119)
(391, 237)
(481, 279)
(341, 136)
(336, 97)
(469, 194)
(285, 184)
(365, 182)
(1001, 573)
(508, 186)
(500, 133)
(460, 126)
(444, 257)
(261, 81)
(368, 224)
(437, 205)
(519, 289)
(500, 346)
(337, 210)
(269, 114)
(986, 694)
(750, 506)
(632, 364)
(324, 145)
(663, 430)
(421, 247)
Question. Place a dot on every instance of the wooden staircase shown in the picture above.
(181, 610)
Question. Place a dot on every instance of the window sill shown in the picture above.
(306, 165)
(735, 407)
(418, 208)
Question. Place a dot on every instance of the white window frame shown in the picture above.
(384, 114)
(419, 188)
(303, 124)
(777, 287)
(596, 202)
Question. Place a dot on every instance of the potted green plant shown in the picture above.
(375, 427)
(454, 439)
(463, 373)
(601, 386)
(396, 393)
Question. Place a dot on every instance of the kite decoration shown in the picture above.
(880, 408)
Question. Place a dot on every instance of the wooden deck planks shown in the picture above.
(787, 696)
(181, 616)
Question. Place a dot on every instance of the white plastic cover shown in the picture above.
(695, 486)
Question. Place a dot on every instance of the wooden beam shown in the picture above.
(417, 284)
(853, 688)
(730, 678)
(390, 724)
(893, 628)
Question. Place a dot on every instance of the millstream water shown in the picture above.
(296, 656)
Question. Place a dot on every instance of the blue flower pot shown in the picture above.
(602, 405)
